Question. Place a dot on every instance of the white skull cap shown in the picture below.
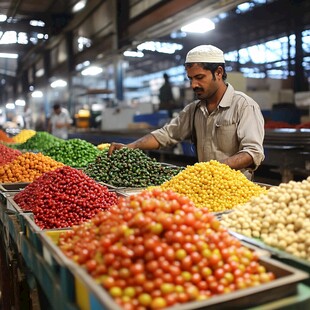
(205, 53)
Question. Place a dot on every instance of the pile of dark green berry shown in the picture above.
(130, 168)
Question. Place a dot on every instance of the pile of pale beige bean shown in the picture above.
(280, 218)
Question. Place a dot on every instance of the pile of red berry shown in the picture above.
(7, 154)
(64, 197)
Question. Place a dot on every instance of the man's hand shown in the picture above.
(60, 125)
(115, 146)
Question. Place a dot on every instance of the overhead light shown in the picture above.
(199, 26)
(133, 54)
(10, 106)
(93, 70)
(160, 47)
(20, 102)
(79, 6)
(58, 83)
(40, 72)
(8, 55)
(37, 94)
(37, 23)
(3, 18)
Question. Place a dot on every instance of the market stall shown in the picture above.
(129, 232)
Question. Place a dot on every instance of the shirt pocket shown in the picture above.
(226, 136)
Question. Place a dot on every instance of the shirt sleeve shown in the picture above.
(68, 118)
(177, 130)
(251, 132)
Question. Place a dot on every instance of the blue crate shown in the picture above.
(155, 119)
(188, 148)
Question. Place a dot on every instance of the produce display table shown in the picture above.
(291, 145)
(40, 277)
(165, 246)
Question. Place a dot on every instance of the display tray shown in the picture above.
(13, 206)
(51, 252)
(285, 284)
(267, 186)
(130, 191)
(13, 187)
(109, 186)
(276, 253)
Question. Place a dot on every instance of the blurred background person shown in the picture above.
(59, 122)
(27, 115)
(166, 99)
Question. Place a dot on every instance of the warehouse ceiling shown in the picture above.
(268, 21)
(55, 14)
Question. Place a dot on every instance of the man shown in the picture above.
(224, 124)
(59, 122)
(166, 96)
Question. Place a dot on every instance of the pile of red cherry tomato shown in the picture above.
(7, 154)
(156, 249)
(64, 197)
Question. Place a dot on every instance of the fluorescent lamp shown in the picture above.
(20, 102)
(40, 72)
(58, 83)
(199, 26)
(133, 54)
(92, 71)
(8, 55)
(3, 18)
(37, 23)
(10, 106)
(79, 6)
(160, 47)
(37, 94)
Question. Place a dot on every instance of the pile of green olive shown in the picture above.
(130, 168)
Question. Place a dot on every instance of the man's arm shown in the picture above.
(147, 142)
(239, 161)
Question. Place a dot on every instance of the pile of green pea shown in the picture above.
(40, 142)
(76, 153)
(130, 168)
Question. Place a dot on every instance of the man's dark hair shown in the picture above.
(56, 106)
(209, 66)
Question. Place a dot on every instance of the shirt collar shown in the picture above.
(227, 97)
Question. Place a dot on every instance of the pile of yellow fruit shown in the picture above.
(214, 185)
(103, 146)
(24, 135)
